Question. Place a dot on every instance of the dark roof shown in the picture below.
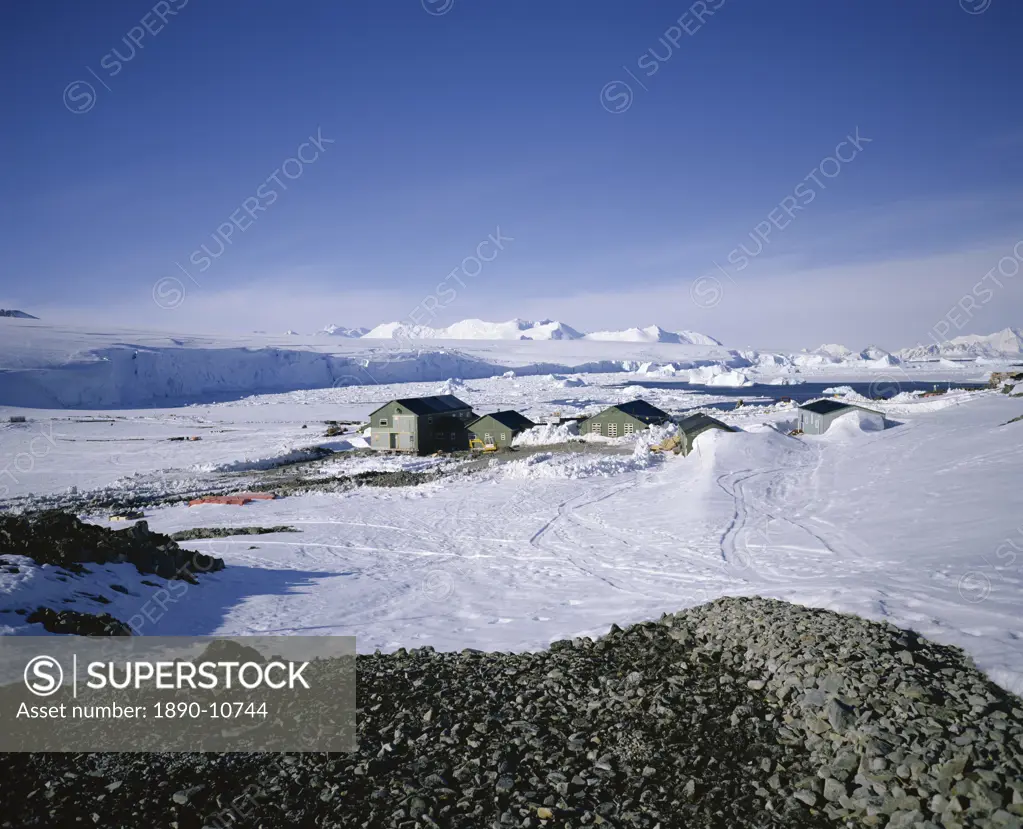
(641, 410)
(699, 420)
(510, 418)
(438, 404)
(827, 406)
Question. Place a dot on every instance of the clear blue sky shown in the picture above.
(491, 115)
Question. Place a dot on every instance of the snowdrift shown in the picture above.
(852, 425)
(547, 434)
(569, 465)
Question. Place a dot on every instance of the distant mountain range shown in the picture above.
(19, 314)
(516, 329)
(339, 331)
(1002, 345)
(1007, 343)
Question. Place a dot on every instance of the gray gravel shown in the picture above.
(742, 713)
(227, 532)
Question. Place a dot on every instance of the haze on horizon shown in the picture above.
(774, 176)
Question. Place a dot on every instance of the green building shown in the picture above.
(693, 425)
(499, 428)
(422, 425)
(817, 416)
(624, 419)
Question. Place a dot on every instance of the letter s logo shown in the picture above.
(43, 676)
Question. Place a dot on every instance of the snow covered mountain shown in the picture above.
(516, 329)
(653, 334)
(476, 329)
(833, 353)
(1007, 343)
(341, 331)
(19, 314)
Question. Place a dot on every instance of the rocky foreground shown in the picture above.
(740, 713)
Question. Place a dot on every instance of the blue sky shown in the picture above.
(437, 129)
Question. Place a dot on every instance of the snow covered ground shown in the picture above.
(920, 524)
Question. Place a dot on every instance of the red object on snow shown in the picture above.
(239, 500)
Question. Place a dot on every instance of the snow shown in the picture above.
(453, 385)
(477, 329)
(653, 334)
(851, 425)
(917, 524)
(913, 525)
(836, 352)
(566, 382)
(48, 366)
(547, 434)
(340, 331)
(1007, 343)
(547, 465)
(718, 375)
(517, 329)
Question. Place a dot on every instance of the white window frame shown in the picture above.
(595, 428)
(383, 421)
(628, 428)
(504, 436)
(612, 430)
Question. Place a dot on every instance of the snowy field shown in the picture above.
(920, 524)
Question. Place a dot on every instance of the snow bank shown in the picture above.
(569, 465)
(271, 462)
(547, 434)
(852, 425)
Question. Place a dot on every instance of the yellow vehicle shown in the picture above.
(478, 445)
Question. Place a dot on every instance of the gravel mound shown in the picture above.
(57, 537)
(225, 532)
(740, 713)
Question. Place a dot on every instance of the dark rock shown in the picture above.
(78, 624)
(61, 539)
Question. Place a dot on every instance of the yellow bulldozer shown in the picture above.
(478, 445)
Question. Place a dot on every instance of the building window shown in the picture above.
(595, 428)
(487, 438)
(383, 421)
(628, 428)
(612, 430)
(504, 436)
(429, 418)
